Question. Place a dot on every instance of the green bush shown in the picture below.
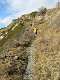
(33, 14)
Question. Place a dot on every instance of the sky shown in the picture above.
(12, 9)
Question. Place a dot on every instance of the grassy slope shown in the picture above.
(44, 61)
(45, 50)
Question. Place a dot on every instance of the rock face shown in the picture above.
(25, 55)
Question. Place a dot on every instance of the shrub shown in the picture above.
(42, 11)
(33, 14)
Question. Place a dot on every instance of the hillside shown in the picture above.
(30, 47)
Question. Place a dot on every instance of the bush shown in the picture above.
(33, 14)
(42, 11)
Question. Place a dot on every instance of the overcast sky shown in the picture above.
(10, 9)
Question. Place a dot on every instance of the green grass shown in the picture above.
(12, 34)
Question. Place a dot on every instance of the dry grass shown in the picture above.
(46, 55)
(43, 62)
